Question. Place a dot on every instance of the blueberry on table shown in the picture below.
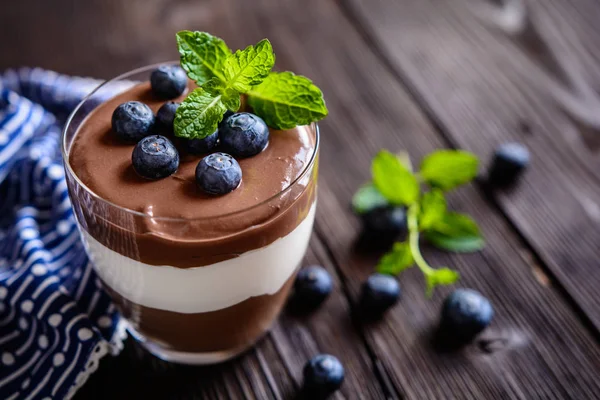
(387, 221)
(155, 157)
(510, 160)
(168, 81)
(323, 375)
(465, 313)
(201, 146)
(311, 287)
(132, 121)
(244, 134)
(166, 115)
(218, 173)
(379, 293)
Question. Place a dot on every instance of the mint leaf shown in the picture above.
(231, 100)
(230, 97)
(248, 67)
(393, 180)
(367, 198)
(198, 115)
(460, 244)
(285, 100)
(405, 160)
(202, 55)
(440, 276)
(397, 260)
(433, 208)
(447, 169)
(456, 224)
(456, 232)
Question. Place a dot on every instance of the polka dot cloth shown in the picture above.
(53, 314)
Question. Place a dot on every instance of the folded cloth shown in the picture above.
(55, 320)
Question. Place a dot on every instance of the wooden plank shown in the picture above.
(330, 329)
(482, 90)
(534, 329)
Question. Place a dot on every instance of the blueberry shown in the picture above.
(379, 293)
(510, 160)
(244, 134)
(132, 121)
(168, 81)
(386, 221)
(323, 375)
(166, 115)
(218, 173)
(465, 314)
(224, 120)
(201, 146)
(155, 157)
(312, 286)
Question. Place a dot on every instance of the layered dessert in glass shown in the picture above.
(197, 276)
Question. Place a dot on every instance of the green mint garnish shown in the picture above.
(427, 213)
(455, 232)
(367, 198)
(447, 169)
(283, 100)
(393, 180)
(397, 260)
(202, 55)
(249, 67)
(433, 208)
(199, 114)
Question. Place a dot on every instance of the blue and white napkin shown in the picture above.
(55, 321)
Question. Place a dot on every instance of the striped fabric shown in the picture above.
(55, 321)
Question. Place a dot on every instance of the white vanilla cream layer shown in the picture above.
(207, 288)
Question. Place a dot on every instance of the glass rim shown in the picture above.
(65, 155)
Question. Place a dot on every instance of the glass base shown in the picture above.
(182, 357)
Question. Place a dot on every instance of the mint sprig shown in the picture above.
(366, 198)
(200, 112)
(393, 180)
(283, 100)
(202, 55)
(248, 67)
(427, 214)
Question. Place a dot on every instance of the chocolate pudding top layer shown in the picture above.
(102, 162)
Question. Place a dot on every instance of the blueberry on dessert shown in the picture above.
(227, 114)
(155, 157)
(244, 134)
(132, 121)
(218, 173)
(379, 293)
(168, 81)
(323, 375)
(510, 160)
(465, 314)
(311, 287)
(201, 146)
(166, 115)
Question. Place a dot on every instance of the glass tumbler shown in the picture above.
(194, 291)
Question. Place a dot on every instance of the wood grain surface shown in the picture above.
(403, 74)
(481, 89)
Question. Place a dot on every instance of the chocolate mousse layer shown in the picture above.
(171, 223)
(235, 327)
(176, 224)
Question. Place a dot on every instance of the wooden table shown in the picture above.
(397, 74)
